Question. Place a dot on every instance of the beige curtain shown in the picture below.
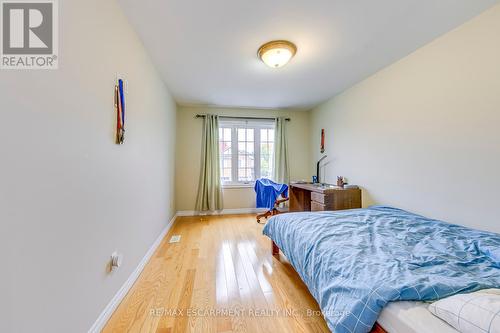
(209, 188)
(281, 168)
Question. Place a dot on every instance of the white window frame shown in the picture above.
(235, 124)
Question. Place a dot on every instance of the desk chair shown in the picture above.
(270, 195)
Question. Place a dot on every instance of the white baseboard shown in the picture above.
(226, 211)
(222, 212)
(113, 304)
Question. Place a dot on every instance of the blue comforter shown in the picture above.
(355, 261)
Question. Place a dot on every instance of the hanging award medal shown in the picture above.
(120, 112)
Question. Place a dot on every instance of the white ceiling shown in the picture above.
(206, 49)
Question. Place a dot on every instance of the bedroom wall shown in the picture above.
(69, 196)
(189, 153)
(422, 134)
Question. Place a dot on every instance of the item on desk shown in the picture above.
(341, 181)
(317, 168)
(315, 179)
(346, 186)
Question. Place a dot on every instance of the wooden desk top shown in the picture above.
(320, 188)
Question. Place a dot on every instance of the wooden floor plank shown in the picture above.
(222, 263)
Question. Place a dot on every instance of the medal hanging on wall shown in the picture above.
(322, 146)
(120, 113)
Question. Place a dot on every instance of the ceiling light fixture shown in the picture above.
(277, 53)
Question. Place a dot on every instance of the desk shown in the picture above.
(316, 197)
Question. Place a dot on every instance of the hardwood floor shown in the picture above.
(222, 264)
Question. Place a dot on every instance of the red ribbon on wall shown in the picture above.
(322, 147)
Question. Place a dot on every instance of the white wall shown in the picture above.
(69, 196)
(423, 134)
(189, 153)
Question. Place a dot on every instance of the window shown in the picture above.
(246, 150)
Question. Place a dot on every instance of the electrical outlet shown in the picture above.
(116, 260)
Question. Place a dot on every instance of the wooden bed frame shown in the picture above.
(276, 253)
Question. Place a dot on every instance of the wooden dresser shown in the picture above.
(316, 197)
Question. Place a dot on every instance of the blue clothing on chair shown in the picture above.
(268, 191)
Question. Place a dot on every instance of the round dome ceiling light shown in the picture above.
(277, 53)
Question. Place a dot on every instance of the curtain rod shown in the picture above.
(262, 118)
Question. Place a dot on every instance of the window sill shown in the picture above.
(229, 186)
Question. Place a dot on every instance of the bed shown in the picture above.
(357, 262)
(411, 317)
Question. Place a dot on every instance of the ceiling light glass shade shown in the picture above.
(277, 53)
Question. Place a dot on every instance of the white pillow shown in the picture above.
(469, 313)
